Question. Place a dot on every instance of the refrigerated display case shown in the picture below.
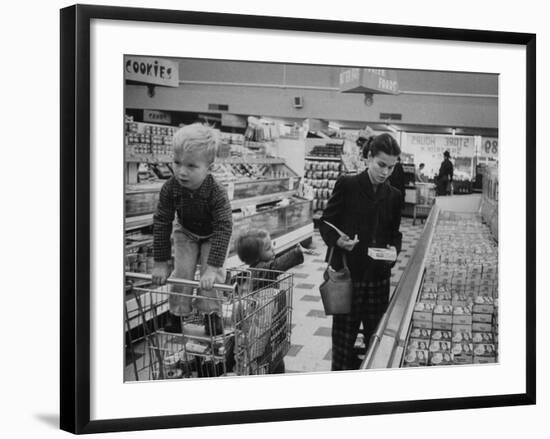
(445, 308)
(489, 198)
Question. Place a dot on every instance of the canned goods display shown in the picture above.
(322, 175)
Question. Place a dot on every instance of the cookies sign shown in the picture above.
(156, 71)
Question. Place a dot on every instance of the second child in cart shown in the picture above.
(255, 249)
(203, 228)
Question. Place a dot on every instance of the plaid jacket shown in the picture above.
(204, 212)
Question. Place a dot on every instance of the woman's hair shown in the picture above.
(382, 143)
(197, 137)
(250, 245)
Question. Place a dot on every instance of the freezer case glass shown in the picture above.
(445, 309)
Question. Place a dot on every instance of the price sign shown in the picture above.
(489, 147)
(291, 181)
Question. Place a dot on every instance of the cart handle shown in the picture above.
(184, 282)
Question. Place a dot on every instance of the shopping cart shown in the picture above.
(250, 337)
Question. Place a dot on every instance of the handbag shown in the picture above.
(336, 290)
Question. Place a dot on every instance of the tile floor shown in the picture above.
(310, 349)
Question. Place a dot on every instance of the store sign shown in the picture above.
(233, 121)
(154, 116)
(156, 71)
(489, 147)
(458, 146)
(369, 81)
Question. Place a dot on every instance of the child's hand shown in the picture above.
(161, 271)
(209, 277)
(346, 243)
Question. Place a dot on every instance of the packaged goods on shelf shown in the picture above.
(321, 175)
(415, 357)
(462, 352)
(441, 358)
(422, 333)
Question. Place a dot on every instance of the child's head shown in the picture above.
(195, 149)
(254, 246)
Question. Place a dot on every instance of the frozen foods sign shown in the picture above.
(369, 81)
(155, 71)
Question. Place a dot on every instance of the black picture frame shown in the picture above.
(75, 217)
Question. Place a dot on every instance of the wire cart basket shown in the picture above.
(250, 336)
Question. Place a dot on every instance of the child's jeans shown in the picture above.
(190, 249)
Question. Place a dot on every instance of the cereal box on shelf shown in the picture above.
(428, 298)
(484, 353)
(441, 358)
(460, 336)
(481, 327)
(415, 357)
(482, 318)
(444, 298)
(462, 315)
(483, 304)
(483, 337)
(462, 352)
(442, 326)
(443, 314)
(457, 327)
(423, 333)
(440, 346)
(441, 335)
(418, 344)
(423, 311)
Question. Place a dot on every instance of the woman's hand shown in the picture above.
(346, 242)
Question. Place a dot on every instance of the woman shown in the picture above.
(445, 175)
(366, 207)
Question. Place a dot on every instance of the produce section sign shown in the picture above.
(369, 81)
(155, 71)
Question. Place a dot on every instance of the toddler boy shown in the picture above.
(203, 228)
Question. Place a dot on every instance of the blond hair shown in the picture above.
(197, 137)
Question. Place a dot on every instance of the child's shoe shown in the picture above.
(173, 324)
(213, 324)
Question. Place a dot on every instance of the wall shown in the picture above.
(332, 105)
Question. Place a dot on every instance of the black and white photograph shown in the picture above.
(268, 219)
(286, 218)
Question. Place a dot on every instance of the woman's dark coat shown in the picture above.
(374, 217)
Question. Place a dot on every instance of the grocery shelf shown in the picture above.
(261, 199)
(251, 161)
(137, 222)
(334, 159)
(388, 342)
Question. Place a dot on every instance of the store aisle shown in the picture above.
(310, 350)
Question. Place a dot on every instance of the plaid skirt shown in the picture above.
(369, 303)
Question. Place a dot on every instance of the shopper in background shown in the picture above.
(204, 225)
(397, 178)
(444, 178)
(419, 175)
(254, 248)
(366, 207)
